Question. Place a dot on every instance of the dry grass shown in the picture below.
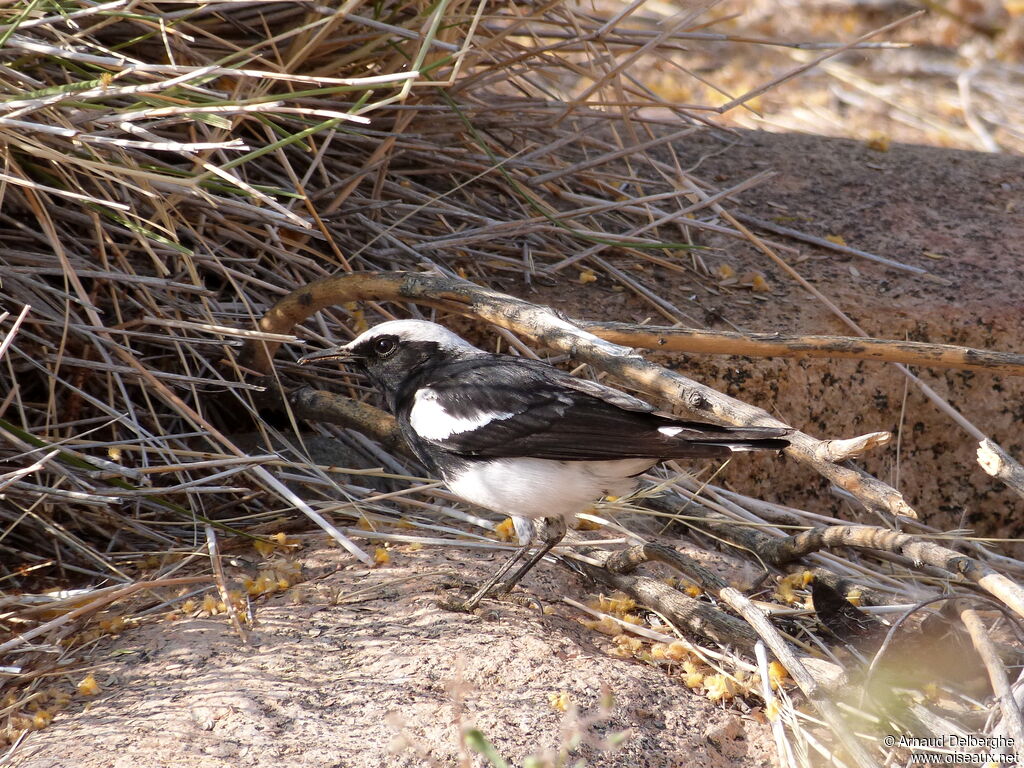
(958, 85)
(171, 169)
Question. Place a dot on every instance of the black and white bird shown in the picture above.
(521, 437)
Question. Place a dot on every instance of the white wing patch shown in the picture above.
(431, 421)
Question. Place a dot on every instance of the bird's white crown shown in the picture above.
(416, 330)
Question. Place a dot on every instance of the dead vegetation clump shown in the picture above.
(171, 171)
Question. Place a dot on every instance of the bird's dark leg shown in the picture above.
(553, 530)
(474, 601)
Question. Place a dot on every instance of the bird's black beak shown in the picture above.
(340, 354)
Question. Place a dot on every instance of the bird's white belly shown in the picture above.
(536, 488)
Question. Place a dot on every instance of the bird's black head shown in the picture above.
(392, 352)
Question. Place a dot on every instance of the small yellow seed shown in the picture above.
(88, 686)
(505, 530)
(776, 674)
(693, 679)
(719, 688)
(210, 604)
(559, 701)
(677, 651)
(264, 548)
(879, 142)
(759, 284)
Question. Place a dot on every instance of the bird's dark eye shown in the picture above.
(385, 346)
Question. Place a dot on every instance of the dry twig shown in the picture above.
(798, 346)
(997, 676)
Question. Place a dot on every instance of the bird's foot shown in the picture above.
(500, 592)
(450, 599)
(455, 605)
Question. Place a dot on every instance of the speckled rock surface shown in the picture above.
(957, 214)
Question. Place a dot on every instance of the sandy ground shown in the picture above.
(364, 669)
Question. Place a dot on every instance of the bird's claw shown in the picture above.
(524, 600)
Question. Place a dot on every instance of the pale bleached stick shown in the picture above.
(1001, 465)
(997, 677)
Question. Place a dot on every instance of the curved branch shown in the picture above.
(320, 405)
(551, 330)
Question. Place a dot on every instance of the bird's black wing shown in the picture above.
(495, 406)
